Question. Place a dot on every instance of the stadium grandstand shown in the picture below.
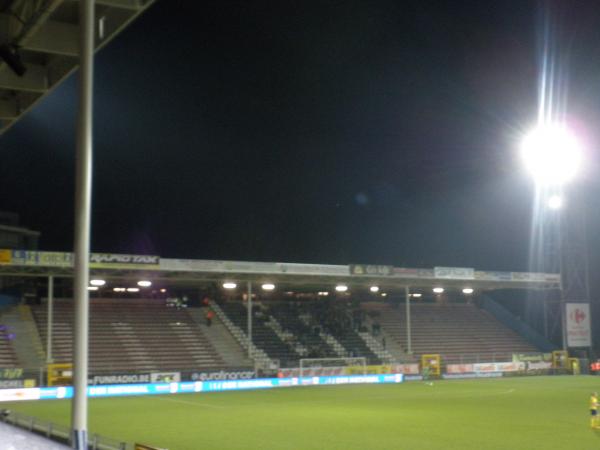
(176, 321)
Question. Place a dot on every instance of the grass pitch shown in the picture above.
(508, 413)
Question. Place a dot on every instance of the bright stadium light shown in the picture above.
(163, 290)
(416, 295)
(384, 294)
(268, 286)
(341, 288)
(133, 289)
(92, 288)
(229, 285)
(555, 202)
(467, 291)
(323, 293)
(119, 289)
(552, 154)
(374, 288)
(97, 282)
(438, 290)
(144, 283)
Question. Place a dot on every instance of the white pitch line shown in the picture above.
(184, 402)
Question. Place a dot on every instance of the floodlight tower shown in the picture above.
(553, 156)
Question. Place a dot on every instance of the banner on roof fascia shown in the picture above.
(404, 272)
(116, 260)
(5, 256)
(454, 273)
(197, 265)
(371, 270)
(493, 275)
(579, 333)
(536, 277)
(41, 259)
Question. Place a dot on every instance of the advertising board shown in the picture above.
(193, 386)
(579, 332)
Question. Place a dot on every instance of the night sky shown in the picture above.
(312, 131)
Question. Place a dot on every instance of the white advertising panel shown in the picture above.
(579, 332)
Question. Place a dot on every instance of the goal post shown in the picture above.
(310, 366)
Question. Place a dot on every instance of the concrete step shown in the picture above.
(219, 336)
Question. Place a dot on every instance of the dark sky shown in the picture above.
(311, 131)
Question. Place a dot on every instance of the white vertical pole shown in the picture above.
(50, 319)
(250, 319)
(408, 330)
(83, 194)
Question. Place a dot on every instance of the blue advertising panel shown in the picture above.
(115, 390)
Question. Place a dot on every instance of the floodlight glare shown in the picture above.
(97, 282)
(552, 154)
(438, 290)
(384, 294)
(163, 290)
(341, 288)
(417, 295)
(374, 288)
(323, 293)
(229, 285)
(144, 283)
(133, 289)
(555, 202)
(92, 288)
(468, 291)
(268, 286)
(119, 289)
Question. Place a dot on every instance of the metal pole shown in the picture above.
(83, 191)
(50, 319)
(408, 330)
(250, 319)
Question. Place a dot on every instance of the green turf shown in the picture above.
(511, 413)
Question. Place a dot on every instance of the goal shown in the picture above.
(333, 366)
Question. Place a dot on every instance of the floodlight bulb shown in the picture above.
(555, 202)
(144, 283)
(416, 295)
(374, 288)
(92, 288)
(133, 289)
(119, 289)
(341, 288)
(229, 285)
(438, 290)
(552, 154)
(97, 282)
(467, 291)
(268, 286)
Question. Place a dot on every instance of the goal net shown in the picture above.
(333, 366)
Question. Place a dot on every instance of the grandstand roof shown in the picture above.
(46, 34)
(22, 263)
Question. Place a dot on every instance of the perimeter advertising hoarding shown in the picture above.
(579, 332)
(61, 392)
